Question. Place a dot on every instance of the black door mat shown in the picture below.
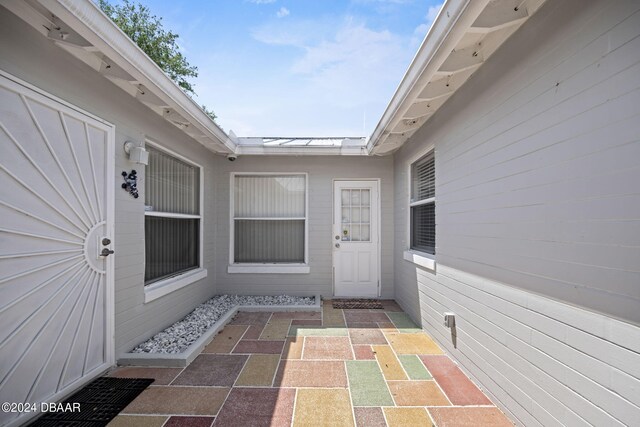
(100, 401)
(364, 304)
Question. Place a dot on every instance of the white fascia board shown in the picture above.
(258, 150)
(86, 18)
(453, 21)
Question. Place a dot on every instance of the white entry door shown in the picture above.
(355, 239)
(56, 210)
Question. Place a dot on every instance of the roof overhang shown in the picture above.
(463, 36)
(82, 29)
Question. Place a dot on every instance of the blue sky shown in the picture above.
(298, 67)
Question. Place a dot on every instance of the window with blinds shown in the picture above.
(269, 219)
(423, 204)
(172, 216)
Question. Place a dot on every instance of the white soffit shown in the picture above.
(463, 36)
(80, 28)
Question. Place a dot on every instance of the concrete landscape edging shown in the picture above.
(181, 360)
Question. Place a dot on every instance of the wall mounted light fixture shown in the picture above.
(136, 154)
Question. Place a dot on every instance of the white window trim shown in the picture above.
(171, 284)
(267, 268)
(419, 258)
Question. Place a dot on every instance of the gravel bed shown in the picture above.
(177, 337)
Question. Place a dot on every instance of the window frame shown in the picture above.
(179, 280)
(419, 258)
(267, 268)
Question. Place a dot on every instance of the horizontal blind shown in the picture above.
(171, 246)
(269, 196)
(171, 185)
(423, 178)
(423, 228)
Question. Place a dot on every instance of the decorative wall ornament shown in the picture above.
(130, 183)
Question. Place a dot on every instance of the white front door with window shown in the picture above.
(56, 267)
(355, 239)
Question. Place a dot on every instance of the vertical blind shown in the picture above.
(172, 187)
(269, 218)
(423, 206)
(171, 246)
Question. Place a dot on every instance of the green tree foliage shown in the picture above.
(208, 112)
(160, 45)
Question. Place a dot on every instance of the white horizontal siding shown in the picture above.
(31, 57)
(538, 219)
(322, 170)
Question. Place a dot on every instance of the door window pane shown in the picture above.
(354, 215)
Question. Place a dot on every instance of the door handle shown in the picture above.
(337, 245)
(106, 252)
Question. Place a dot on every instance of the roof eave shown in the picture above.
(462, 38)
(455, 17)
(86, 18)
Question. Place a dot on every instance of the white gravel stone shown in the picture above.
(177, 337)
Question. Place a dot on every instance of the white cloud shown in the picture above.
(262, 1)
(432, 13)
(348, 70)
(282, 12)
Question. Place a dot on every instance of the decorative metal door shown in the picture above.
(355, 239)
(56, 227)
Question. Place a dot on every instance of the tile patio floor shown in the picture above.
(335, 368)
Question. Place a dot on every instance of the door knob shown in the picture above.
(106, 241)
(337, 237)
(106, 252)
(337, 245)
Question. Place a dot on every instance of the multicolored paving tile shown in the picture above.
(217, 370)
(391, 367)
(328, 348)
(417, 343)
(257, 407)
(259, 370)
(336, 367)
(313, 331)
(226, 339)
(470, 417)
(293, 348)
(369, 417)
(137, 421)
(323, 407)
(403, 322)
(259, 346)
(178, 421)
(456, 385)
(311, 373)
(366, 336)
(363, 352)
(171, 400)
(407, 417)
(251, 318)
(367, 384)
(276, 329)
(417, 393)
(414, 367)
